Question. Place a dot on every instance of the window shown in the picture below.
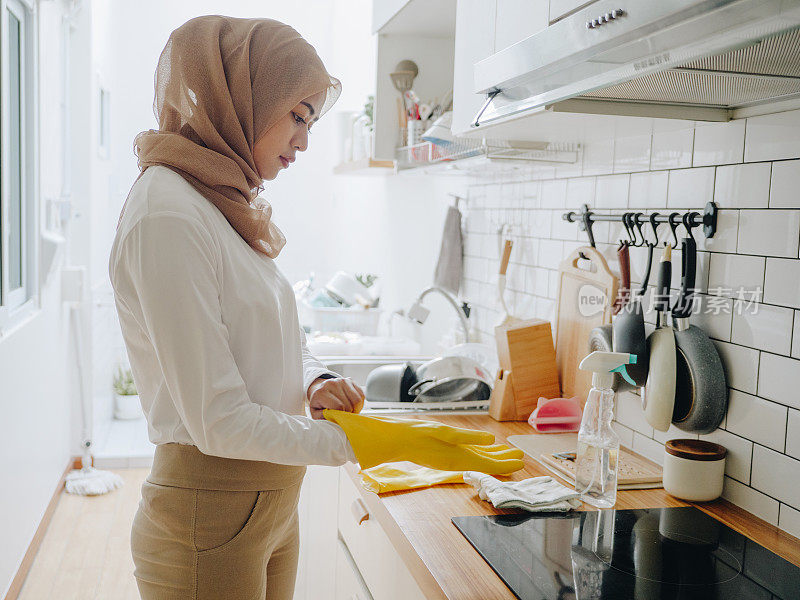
(17, 161)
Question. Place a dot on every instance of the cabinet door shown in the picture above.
(318, 532)
(385, 574)
(517, 20)
(474, 41)
(349, 583)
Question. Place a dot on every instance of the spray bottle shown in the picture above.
(598, 443)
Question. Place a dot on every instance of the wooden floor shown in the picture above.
(85, 554)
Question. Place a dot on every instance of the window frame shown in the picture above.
(103, 121)
(18, 304)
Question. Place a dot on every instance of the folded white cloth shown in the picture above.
(533, 494)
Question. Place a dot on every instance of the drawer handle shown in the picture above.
(359, 510)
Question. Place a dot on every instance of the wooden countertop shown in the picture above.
(444, 563)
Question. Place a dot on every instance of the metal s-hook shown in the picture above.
(687, 224)
(674, 221)
(654, 224)
(639, 227)
(627, 229)
(628, 220)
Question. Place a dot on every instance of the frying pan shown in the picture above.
(658, 394)
(601, 338)
(701, 392)
(628, 329)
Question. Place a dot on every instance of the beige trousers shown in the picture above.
(215, 528)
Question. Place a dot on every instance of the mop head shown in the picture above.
(92, 482)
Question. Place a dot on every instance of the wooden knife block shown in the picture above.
(527, 372)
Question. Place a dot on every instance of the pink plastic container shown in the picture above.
(556, 415)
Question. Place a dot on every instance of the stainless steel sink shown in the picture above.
(359, 367)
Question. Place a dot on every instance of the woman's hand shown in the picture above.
(339, 394)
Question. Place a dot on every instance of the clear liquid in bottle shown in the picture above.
(598, 451)
(596, 474)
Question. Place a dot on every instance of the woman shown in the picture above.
(210, 323)
(211, 328)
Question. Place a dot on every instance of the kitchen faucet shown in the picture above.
(419, 313)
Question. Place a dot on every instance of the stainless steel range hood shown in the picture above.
(707, 60)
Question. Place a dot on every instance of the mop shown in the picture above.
(87, 481)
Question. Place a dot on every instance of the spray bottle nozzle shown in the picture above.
(624, 372)
(604, 364)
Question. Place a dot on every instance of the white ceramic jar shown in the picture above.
(694, 470)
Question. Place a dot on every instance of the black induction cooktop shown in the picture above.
(650, 554)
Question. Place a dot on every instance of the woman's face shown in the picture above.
(279, 146)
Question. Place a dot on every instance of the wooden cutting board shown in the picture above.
(635, 471)
(586, 293)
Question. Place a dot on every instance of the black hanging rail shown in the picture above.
(689, 219)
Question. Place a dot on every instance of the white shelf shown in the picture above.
(365, 166)
(466, 155)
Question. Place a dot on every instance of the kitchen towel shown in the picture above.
(534, 494)
(450, 265)
(405, 476)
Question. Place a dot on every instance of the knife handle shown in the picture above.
(506, 256)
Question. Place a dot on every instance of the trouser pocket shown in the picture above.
(220, 517)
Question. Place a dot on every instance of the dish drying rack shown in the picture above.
(455, 405)
(427, 154)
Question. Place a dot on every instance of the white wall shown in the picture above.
(35, 387)
(751, 169)
(386, 226)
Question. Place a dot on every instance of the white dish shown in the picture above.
(349, 290)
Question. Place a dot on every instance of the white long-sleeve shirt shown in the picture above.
(212, 334)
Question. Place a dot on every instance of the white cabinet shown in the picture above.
(484, 27)
(474, 41)
(384, 11)
(316, 572)
(417, 30)
(349, 583)
(518, 19)
(377, 562)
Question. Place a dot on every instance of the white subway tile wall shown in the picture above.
(673, 141)
(743, 186)
(790, 520)
(785, 185)
(796, 335)
(771, 232)
(748, 274)
(718, 143)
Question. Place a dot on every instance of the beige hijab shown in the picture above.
(221, 84)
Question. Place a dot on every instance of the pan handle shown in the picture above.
(664, 277)
(646, 278)
(683, 304)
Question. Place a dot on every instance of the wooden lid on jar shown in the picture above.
(695, 449)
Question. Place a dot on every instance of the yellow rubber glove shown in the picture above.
(378, 440)
(389, 478)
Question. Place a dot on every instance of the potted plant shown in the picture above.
(126, 398)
